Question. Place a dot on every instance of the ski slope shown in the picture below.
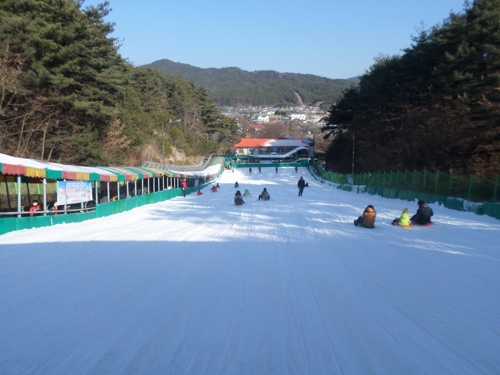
(197, 285)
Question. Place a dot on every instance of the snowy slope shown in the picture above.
(197, 285)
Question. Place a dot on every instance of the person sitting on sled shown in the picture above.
(199, 192)
(423, 215)
(403, 220)
(238, 199)
(214, 189)
(236, 185)
(368, 218)
(246, 193)
(264, 195)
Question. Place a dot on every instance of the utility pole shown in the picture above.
(163, 144)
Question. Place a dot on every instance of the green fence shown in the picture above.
(9, 224)
(475, 194)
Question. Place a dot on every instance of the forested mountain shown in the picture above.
(67, 95)
(435, 107)
(233, 86)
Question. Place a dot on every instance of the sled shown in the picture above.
(403, 226)
(423, 225)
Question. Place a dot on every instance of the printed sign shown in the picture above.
(69, 192)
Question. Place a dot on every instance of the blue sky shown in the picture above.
(328, 38)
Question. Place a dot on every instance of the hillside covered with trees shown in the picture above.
(67, 95)
(435, 107)
(233, 86)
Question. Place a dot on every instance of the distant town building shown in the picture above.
(274, 150)
(261, 119)
(295, 116)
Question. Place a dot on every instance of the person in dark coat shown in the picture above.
(238, 199)
(264, 195)
(423, 215)
(301, 184)
(368, 218)
(236, 185)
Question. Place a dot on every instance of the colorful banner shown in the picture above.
(69, 192)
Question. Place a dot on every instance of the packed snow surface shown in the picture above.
(197, 285)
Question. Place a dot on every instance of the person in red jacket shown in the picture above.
(183, 186)
(34, 207)
(214, 189)
(199, 192)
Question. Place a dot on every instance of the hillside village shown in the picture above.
(305, 114)
(282, 122)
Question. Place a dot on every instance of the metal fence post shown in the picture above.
(451, 181)
(437, 179)
(470, 186)
(495, 190)
(425, 180)
(19, 196)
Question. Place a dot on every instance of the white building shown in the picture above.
(301, 117)
(261, 119)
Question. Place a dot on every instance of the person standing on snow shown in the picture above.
(184, 186)
(301, 184)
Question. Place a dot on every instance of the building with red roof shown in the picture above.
(260, 150)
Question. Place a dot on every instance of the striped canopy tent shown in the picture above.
(122, 173)
(11, 167)
(145, 172)
(173, 173)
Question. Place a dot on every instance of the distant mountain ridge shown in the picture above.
(234, 86)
